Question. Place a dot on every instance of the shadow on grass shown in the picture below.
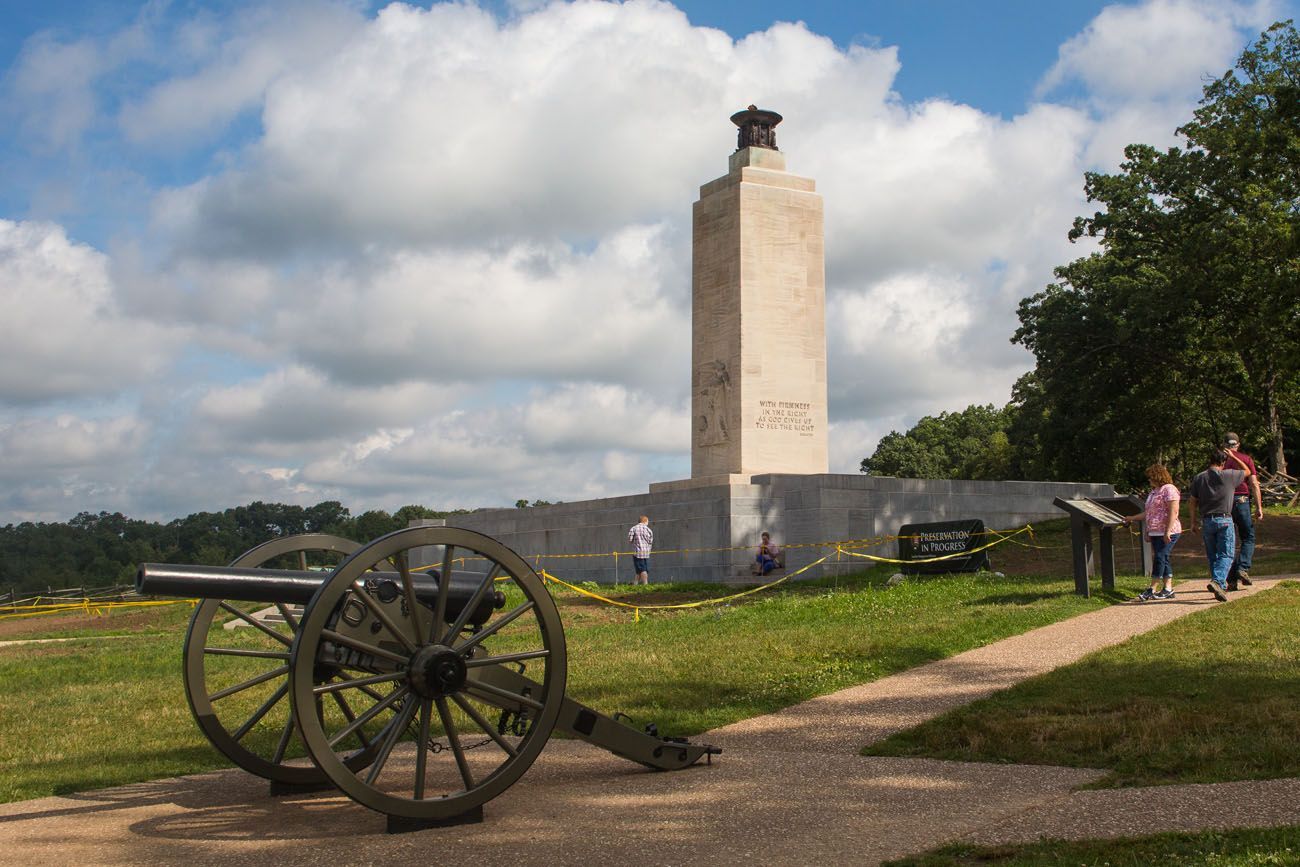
(1015, 598)
(673, 702)
(1151, 721)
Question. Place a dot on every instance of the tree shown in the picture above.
(1183, 324)
(971, 444)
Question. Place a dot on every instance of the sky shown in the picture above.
(440, 254)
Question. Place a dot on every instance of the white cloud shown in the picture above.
(1155, 50)
(53, 467)
(53, 84)
(258, 46)
(528, 311)
(68, 444)
(445, 127)
(63, 333)
(293, 409)
(581, 417)
(898, 349)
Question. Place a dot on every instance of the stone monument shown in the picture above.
(758, 380)
(759, 458)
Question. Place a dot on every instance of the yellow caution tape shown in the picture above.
(637, 609)
(1028, 545)
(88, 607)
(845, 546)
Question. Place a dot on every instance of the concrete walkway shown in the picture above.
(789, 788)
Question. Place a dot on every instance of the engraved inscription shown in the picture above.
(786, 415)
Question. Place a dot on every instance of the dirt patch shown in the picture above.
(150, 620)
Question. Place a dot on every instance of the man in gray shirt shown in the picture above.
(1211, 507)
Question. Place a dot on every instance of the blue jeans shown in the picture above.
(1220, 540)
(1244, 522)
(1160, 551)
(765, 563)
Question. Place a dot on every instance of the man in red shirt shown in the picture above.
(1241, 510)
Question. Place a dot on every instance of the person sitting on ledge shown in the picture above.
(769, 555)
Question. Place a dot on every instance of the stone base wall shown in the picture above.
(698, 526)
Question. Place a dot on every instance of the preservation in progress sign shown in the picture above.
(947, 539)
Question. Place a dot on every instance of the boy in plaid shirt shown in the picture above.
(642, 538)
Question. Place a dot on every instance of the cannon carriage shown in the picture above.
(420, 691)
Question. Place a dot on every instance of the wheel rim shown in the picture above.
(418, 683)
(254, 726)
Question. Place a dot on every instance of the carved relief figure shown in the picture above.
(714, 403)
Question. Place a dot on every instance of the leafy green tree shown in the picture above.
(971, 444)
(97, 550)
(1182, 324)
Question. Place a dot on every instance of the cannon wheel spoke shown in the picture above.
(351, 716)
(444, 587)
(431, 723)
(236, 680)
(487, 727)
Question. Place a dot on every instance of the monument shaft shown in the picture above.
(758, 382)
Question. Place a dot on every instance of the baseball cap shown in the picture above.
(1231, 438)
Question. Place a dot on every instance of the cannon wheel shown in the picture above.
(206, 651)
(437, 774)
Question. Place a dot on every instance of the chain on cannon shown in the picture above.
(419, 698)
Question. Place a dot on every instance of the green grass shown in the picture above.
(1261, 847)
(699, 669)
(1208, 698)
(1284, 563)
(87, 714)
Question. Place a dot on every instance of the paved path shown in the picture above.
(790, 788)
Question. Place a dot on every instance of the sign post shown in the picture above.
(1085, 514)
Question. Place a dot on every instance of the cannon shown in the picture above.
(420, 691)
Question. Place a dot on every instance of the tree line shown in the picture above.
(98, 550)
(1179, 326)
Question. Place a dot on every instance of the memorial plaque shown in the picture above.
(1084, 515)
(943, 539)
(1091, 510)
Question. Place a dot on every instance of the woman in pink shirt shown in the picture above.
(1163, 528)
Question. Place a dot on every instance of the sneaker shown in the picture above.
(1164, 594)
(1217, 591)
(1146, 595)
(1244, 577)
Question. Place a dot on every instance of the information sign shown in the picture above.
(943, 539)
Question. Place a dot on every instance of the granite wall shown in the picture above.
(698, 526)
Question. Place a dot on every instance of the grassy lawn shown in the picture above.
(121, 713)
(1205, 699)
(1242, 848)
(1208, 698)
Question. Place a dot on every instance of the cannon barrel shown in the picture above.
(295, 587)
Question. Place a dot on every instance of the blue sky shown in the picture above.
(990, 55)
(391, 254)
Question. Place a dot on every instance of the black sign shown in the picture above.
(1098, 512)
(946, 539)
